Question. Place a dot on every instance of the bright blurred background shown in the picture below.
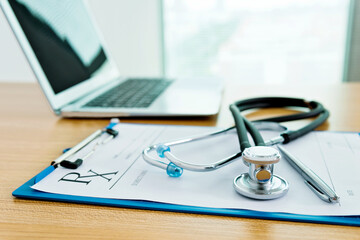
(259, 41)
(279, 41)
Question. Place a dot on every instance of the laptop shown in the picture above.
(80, 79)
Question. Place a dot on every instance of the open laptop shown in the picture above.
(78, 75)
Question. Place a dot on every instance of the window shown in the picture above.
(257, 41)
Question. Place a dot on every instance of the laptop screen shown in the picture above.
(63, 39)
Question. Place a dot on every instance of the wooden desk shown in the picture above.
(31, 136)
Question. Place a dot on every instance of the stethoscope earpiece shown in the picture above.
(260, 182)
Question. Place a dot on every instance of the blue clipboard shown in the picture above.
(25, 191)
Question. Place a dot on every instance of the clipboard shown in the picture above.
(25, 191)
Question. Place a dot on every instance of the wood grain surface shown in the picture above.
(32, 136)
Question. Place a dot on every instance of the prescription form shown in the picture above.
(117, 170)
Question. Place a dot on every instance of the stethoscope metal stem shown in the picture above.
(198, 167)
(274, 141)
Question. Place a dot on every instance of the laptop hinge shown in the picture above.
(57, 111)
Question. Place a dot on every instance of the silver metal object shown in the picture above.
(212, 166)
(78, 147)
(314, 182)
(185, 165)
(94, 136)
(260, 182)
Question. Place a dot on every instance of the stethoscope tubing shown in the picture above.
(243, 126)
(316, 110)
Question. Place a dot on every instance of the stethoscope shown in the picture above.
(259, 182)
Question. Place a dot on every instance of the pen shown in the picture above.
(314, 182)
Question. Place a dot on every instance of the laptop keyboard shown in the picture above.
(133, 93)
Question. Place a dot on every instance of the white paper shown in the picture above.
(117, 170)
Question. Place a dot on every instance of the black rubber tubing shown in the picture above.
(241, 123)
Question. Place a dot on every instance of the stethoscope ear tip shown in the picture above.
(161, 149)
(174, 171)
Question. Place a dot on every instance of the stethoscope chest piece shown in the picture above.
(260, 182)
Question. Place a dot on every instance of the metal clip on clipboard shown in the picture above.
(64, 161)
